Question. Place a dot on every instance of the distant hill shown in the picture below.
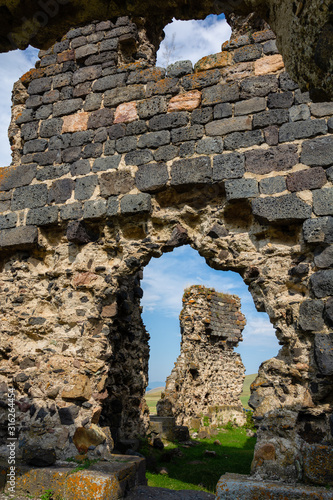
(153, 385)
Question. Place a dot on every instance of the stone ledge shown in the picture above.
(231, 486)
(102, 481)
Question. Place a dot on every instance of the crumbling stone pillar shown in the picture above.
(208, 376)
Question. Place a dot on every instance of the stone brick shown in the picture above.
(250, 106)
(247, 53)
(121, 95)
(51, 127)
(322, 283)
(299, 112)
(264, 161)
(67, 55)
(52, 172)
(318, 230)
(100, 118)
(228, 166)
(163, 87)
(280, 100)
(42, 216)
(270, 117)
(126, 144)
(7, 221)
(209, 146)
(109, 82)
(92, 102)
(258, 86)
(188, 101)
(237, 189)
(69, 155)
(222, 127)
(186, 149)
(110, 44)
(85, 51)
(187, 133)
(62, 80)
(320, 109)
(282, 209)
(311, 315)
(135, 203)
(27, 115)
(110, 147)
(85, 187)
(191, 171)
(312, 178)
(116, 182)
(323, 257)
(166, 153)
(16, 176)
(170, 120)
(323, 201)
(92, 151)
(29, 197)
(83, 137)
(318, 152)
(323, 349)
(116, 131)
(43, 112)
(154, 139)
(40, 85)
(106, 163)
(112, 206)
(227, 92)
(151, 107)
(219, 60)
(136, 128)
(271, 134)
(286, 83)
(71, 211)
(302, 129)
(94, 209)
(83, 74)
(203, 116)
(200, 80)
(179, 69)
(329, 173)
(34, 101)
(243, 139)
(146, 75)
(263, 35)
(152, 178)
(138, 157)
(75, 123)
(268, 64)
(301, 97)
(60, 191)
(236, 42)
(329, 311)
(29, 131)
(66, 107)
(19, 237)
(238, 71)
(126, 112)
(272, 185)
(270, 47)
(78, 42)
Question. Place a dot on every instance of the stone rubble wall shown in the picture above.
(116, 162)
(208, 376)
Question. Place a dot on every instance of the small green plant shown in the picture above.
(206, 421)
(249, 424)
(85, 464)
(47, 495)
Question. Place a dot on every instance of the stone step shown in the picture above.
(239, 487)
(148, 493)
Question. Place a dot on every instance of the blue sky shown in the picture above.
(166, 278)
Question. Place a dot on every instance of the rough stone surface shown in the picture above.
(285, 208)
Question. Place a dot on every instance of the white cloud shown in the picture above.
(192, 39)
(13, 65)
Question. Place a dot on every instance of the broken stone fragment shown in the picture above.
(81, 389)
(84, 438)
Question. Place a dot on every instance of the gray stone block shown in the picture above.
(85, 50)
(60, 191)
(49, 128)
(137, 127)
(270, 117)
(126, 144)
(228, 166)
(42, 216)
(179, 69)
(93, 102)
(106, 163)
(116, 182)
(302, 130)
(237, 189)
(286, 83)
(186, 149)
(138, 157)
(29, 197)
(166, 153)
(43, 112)
(247, 53)
(222, 127)
(85, 187)
(282, 209)
(40, 85)
(191, 171)
(69, 155)
(270, 48)
(34, 101)
(322, 283)
(201, 79)
(238, 140)
(154, 139)
(110, 147)
(320, 109)
(168, 121)
(205, 115)
(318, 152)
(299, 112)
(13, 177)
(223, 110)
(52, 172)
(227, 92)
(323, 349)
(311, 315)
(152, 178)
(323, 257)
(94, 209)
(249, 106)
(329, 311)
(7, 221)
(84, 74)
(19, 237)
(135, 203)
(258, 86)
(84, 137)
(101, 118)
(47, 157)
(151, 107)
(67, 107)
(312, 178)
(187, 133)
(330, 124)
(112, 206)
(318, 230)
(120, 95)
(209, 146)
(29, 131)
(27, 115)
(276, 158)
(71, 211)
(323, 201)
(272, 185)
(280, 100)
(109, 82)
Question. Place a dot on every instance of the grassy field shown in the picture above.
(155, 394)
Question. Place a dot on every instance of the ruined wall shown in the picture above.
(117, 161)
(208, 375)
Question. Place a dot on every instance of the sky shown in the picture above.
(165, 278)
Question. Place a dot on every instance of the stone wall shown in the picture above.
(207, 380)
(117, 161)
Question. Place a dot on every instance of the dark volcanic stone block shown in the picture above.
(329, 311)
(312, 178)
(205, 115)
(85, 187)
(270, 117)
(323, 201)
(223, 110)
(227, 92)
(106, 163)
(283, 100)
(302, 129)
(49, 128)
(151, 107)
(318, 230)
(120, 95)
(311, 315)
(29, 197)
(209, 146)
(7, 221)
(191, 171)
(42, 216)
(247, 53)
(322, 283)
(116, 182)
(318, 152)
(243, 139)
(101, 118)
(258, 86)
(237, 189)
(324, 257)
(228, 166)
(282, 209)
(187, 133)
(272, 185)
(323, 349)
(61, 190)
(263, 161)
(135, 203)
(17, 176)
(180, 68)
(201, 79)
(71, 211)
(138, 157)
(154, 139)
(78, 232)
(152, 178)
(170, 120)
(94, 209)
(19, 237)
(66, 107)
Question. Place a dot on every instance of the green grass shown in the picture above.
(234, 455)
